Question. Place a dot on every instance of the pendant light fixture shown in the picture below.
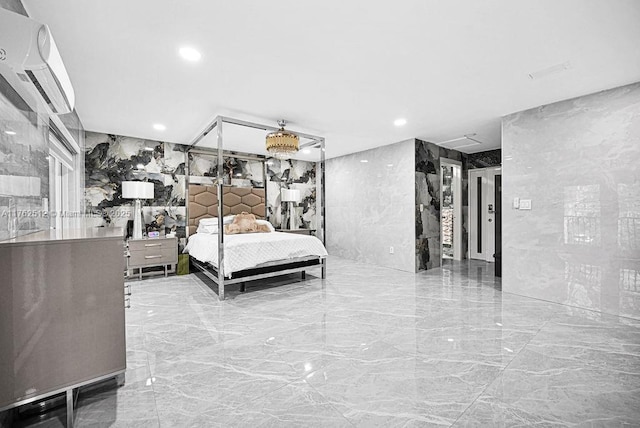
(282, 144)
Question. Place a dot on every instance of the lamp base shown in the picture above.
(137, 220)
(293, 218)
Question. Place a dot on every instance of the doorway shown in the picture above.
(450, 209)
(64, 197)
(484, 214)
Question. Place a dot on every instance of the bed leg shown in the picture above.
(242, 287)
(324, 268)
(304, 274)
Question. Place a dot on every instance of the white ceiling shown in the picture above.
(341, 69)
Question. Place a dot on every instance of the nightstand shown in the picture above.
(152, 252)
(298, 231)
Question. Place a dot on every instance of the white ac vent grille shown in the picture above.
(44, 95)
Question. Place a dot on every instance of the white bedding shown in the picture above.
(248, 250)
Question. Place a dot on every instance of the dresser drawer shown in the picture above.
(152, 244)
(153, 256)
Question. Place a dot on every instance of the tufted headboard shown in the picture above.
(203, 202)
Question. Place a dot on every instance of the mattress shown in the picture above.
(249, 250)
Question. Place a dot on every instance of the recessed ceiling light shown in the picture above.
(10, 132)
(389, 164)
(189, 54)
(400, 122)
(159, 127)
(364, 161)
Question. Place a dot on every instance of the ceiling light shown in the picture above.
(10, 132)
(389, 165)
(159, 127)
(189, 54)
(400, 122)
(364, 161)
(282, 144)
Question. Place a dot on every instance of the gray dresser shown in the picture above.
(62, 321)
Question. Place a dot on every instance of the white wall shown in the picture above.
(371, 206)
(579, 163)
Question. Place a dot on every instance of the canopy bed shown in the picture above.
(230, 238)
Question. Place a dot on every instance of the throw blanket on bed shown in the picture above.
(245, 251)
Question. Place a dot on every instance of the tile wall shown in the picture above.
(578, 161)
(24, 168)
(370, 206)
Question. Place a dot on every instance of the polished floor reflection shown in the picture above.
(368, 347)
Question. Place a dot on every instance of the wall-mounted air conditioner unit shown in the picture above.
(30, 61)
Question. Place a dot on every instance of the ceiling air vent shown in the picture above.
(457, 143)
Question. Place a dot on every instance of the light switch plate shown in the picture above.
(525, 204)
(516, 203)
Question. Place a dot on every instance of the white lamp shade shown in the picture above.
(137, 190)
(290, 195)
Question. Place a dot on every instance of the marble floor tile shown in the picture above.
(540, 388)
(367, 346)
(131, 405)
(294, 405)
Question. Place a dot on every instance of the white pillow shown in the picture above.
(214, 220)
(213, 228)
(266, 223)
(207, 228)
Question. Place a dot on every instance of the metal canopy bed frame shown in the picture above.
(268, 270)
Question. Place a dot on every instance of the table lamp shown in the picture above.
(291, 196)
(137, 190)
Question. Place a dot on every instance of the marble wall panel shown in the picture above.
(24, 169)
(578, 161)
(370, 206)
(485, 159)
(288, 174)
(292, 174)
(427, 187)
(203, 169)
(112, 159)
